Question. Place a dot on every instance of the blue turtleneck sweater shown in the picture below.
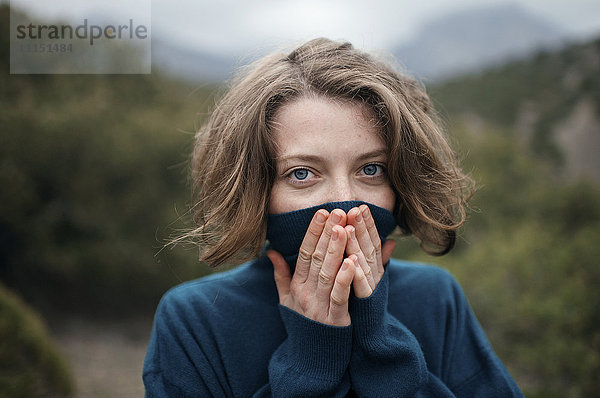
(225, 335)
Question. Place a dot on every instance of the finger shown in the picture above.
(387, 250)
(353, 249)
(332, 262)
(281, 272)
(309, 244)
(361, 286)
(337, 217)
(364, 241)
(338, 304)
(374, 237)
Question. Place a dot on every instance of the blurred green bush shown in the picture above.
(93, 175)
(30, 366)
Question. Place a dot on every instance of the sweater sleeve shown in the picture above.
(183, 360)
(312, 360)
(178, 363)
(387, 360)
(472, 368)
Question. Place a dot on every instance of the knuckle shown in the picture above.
(304, 255)
(317, 258)
(314, 231)
(377, 245)
(304, 302)
(325, 278)
(372, 254)
(337, 300)
(377, 242)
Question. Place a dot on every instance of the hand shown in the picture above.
(364, 244)
(320, 287)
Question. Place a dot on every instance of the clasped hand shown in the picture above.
(320, 286)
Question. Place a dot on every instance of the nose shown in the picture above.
(342, 190)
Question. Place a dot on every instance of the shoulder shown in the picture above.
(420, 275)
(189, 332)
(247, 284)
(203, 292)
(423, 285)
(201, 288)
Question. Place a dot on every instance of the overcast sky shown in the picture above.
(244, 27)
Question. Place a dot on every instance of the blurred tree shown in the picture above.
(93, 170)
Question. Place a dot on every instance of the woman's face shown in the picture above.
(327, 152)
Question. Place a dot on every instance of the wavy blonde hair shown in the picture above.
(233, 161)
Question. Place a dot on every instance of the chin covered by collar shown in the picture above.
(286, 231)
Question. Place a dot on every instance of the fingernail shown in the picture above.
(321, 217)
(352, 233)
(358, 216)
(365, 212)
(345, 265)
(335, 218)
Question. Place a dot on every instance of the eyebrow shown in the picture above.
(373, 154)
(314, 158)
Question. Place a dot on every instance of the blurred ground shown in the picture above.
(106, 359)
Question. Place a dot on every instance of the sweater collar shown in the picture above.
(286, 231)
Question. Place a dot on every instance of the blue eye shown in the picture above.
(300, 174)
(371, 169)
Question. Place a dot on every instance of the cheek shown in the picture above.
(276, 199)
(283, 199)
(382, 197)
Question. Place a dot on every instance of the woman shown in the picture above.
(323, 153)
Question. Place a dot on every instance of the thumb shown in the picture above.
(281, 271)
(386, 250)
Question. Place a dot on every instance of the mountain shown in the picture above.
(453, 44)
(475, 38)
(191, 65)
(550, 102)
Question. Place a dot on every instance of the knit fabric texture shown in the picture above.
(226, 335)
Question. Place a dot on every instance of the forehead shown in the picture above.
(318, 125)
